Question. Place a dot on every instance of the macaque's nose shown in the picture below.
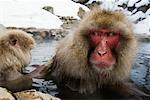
(101, 53)
(101, 48)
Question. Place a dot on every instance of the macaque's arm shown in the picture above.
(23, 82)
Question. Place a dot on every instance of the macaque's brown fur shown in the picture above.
(11, 56)
(71, 66)
(15, 47)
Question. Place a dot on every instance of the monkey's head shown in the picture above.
(110, 40)
(15, 47)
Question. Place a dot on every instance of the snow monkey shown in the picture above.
(15, 47)
(95, 59)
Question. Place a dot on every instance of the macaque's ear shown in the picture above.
(13, 40)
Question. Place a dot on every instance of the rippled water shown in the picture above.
(144, 48)
(41, 54)
(141, 71)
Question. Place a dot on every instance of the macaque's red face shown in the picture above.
(103, 41)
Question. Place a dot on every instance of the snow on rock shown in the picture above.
(29, 13)
(2, 30)
(136, 16)
(65, 7)
(143, 26)
(148, 12)
(141, 19)
(143, 2)
(90, 1)
(132, 2)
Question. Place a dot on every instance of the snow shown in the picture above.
(143, 26)
(76, 0)
(108, 4)
(148, 12)
(2, 30)
(22, 13)
(143, 2)
(120, 2)
(29, 13)
(90, 1)
(137, 15)
(65, 7)
(132, 2)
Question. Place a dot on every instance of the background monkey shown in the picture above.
(15, 47)
(96, 58)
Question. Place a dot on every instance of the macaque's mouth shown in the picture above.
(103, 65)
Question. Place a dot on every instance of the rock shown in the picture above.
(58, 37)
(5, 94)
(93, 4)
(44, 34)
(68, 21)
(81, 12)
(34, 95)
(88, 3)
(49, 9)
(58, 34)
(80, 1)
(143, 8)
(143, 37)
(124, 5)
(25, 95)
(11, 27)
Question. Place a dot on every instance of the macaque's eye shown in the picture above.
(95, 33)
(111, 33)
(14, 42)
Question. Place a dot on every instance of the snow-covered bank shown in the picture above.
(29, 13)
(24, 13)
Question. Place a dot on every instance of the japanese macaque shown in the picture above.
(97, 57)
(15, 47)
